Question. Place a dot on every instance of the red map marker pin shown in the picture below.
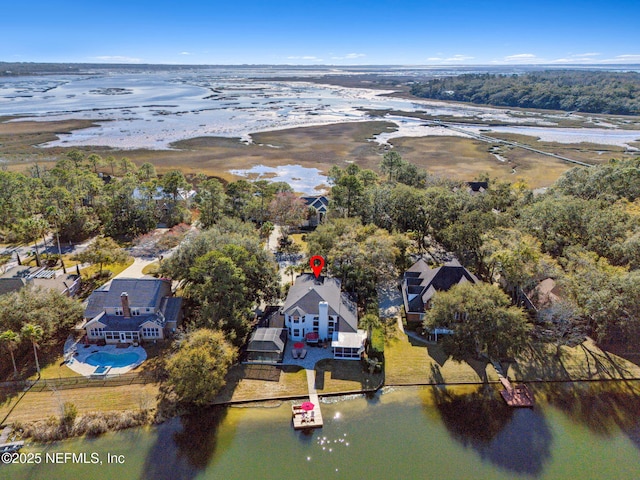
(317, 264)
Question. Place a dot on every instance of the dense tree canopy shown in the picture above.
(482, 320)
(226, 271)
(197, 370)
(572, 90)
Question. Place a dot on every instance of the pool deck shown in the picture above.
(78, 365)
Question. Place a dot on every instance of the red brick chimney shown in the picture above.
(124, 298)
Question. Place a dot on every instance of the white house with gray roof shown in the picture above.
(317, 309)
(132, 310)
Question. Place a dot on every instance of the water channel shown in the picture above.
(576, 431)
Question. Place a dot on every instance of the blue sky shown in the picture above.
(348, 32)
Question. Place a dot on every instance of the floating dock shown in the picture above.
(516, 396)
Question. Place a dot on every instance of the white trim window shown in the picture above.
(151, 332)
(96, 332)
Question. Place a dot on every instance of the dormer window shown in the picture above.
(296, 319)
(118, 311)
(135, 312)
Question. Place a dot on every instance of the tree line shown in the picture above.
(583, 232)
(569, 90)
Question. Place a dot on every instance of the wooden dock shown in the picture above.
(303, 419)
(516, 396)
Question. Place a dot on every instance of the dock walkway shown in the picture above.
(313, 418)
(514, 396)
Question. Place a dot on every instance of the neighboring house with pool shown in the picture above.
(132, 310)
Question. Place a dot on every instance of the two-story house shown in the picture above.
(421, 282)
(133, 310)
(315, 308)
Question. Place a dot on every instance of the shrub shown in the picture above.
(68, 417)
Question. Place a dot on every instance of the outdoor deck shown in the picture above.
(516, 396)
(307, 419)
(311, 418)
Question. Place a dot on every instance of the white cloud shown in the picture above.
(350, 56)
(453, 59)
(458, 58)
(309, 58)
(186, 53)
(117, 59)
(578, 58)
(627, 58)
(520, 57)
(579, 55)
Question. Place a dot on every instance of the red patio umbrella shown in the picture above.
(307, 406)
(298, 345)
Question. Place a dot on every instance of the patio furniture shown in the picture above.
(303, 353)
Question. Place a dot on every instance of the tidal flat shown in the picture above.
(213, 122)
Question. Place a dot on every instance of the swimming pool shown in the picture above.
(104, 359)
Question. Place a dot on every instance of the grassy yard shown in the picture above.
(410, 361)
(32, 406)
(583, 362)
(114, 268)
(297, 238)
(343, 376)
(243, 383)
(55, 369)
(152, 269)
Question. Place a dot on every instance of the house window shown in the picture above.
(112, 336)
(296, 332)
(135, 312)
(96, 333)
(119, 311)
(147, 309)
(150, 332)
(296, 319)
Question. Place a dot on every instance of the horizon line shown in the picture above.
(417, 65)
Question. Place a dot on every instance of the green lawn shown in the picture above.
(152, 269)
(334, 376)
(114, 268)
(32, 406)
(412, 362)
(292, 381)
(420, 362)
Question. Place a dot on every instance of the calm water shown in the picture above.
(152, 110)
(111, 360)
(403, 434)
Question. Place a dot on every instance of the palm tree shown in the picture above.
(369, 321)
(290, 270)
(33, 333)
(11, 340)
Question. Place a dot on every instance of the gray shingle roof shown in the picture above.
(142, 292)
(432, 280)
(307, 292)
(171, 308)
(131, 324)
(95, 303)
(17, 277)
